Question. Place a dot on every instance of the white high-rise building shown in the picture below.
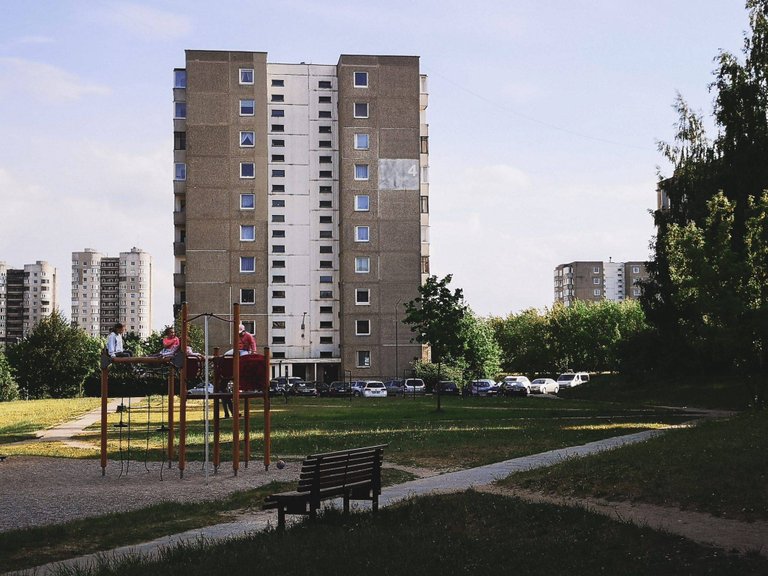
(27, 295)
(107, 290)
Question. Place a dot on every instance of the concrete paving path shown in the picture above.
(443, 483)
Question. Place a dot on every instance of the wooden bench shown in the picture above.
(353, 474)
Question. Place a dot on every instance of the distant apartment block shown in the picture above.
(27, 295)
(107, 290)
(596, 281)
(302, 193)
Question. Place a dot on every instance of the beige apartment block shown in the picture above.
(111, 289)
(596, 280)
(27, 295)
(301, 193)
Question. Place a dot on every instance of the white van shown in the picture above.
(571, 379)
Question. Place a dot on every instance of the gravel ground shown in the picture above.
(38, 491)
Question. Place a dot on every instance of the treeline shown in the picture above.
(596, 337)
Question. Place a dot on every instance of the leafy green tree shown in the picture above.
(9, 390)
(481, 357)
(54, 360)
(437, 315)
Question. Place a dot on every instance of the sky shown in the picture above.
(544, 118)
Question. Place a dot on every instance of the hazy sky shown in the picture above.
(543, 121)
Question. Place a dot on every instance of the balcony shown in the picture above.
(179, 248)
(179, 217)
(179, 280)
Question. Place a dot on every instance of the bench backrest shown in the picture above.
(342, 468)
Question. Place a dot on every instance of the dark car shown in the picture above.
(394, 387)
(448, 388)
(337, 389)
(301, 388)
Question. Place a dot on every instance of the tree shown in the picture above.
(9, 390)
(704, 298)
(437, 316)
(481, 357)
(54, 360)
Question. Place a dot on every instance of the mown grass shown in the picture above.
(21, 419)
(467, 533)
(719, 467)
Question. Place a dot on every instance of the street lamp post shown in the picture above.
(397, 343)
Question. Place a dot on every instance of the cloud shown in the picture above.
(146, 22)
(44, 82)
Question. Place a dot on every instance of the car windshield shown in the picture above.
(375, 385)
(539, 381)
(566, 377)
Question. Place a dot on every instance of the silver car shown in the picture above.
(516, 386)
(544, 386)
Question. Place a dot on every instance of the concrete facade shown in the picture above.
(107, 290)
(27, 295)
(593, 281)
(300, 193)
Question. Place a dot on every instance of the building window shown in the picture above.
(278, 203)
(247, 296)
(326, 173)
(278, 143)
(246, 75)
(362, 264)
(278, 339)
(247, 139)
(326, 339)
(636, 291)
(362, 234)
(324, 84)
(278, 187)
(278, 82)
(362, 203)
(326, 309)
(635, 269)
(247, 232)
(362, 327)
(324, 100)
(425, 264)
(278, 294)
(279, 279)
(278, 264)
(361, 79)
(247, 170)
(324, 144)
(326, 249)
(179, 110)
(326, 219)
(278, 98)
(361, 142)
(361, 109)
(326, 160)
(596, 270)
(596, 291)
(325, 234)
(326, 279)
(179, 140)
(325, 264)
(362, 296)
(278, 233)
(595, 281)
(278, 128)
(324, 114)
(361, 171)
(247, 201)
(179, 78)
(363, 358)
(278, 173)
(326, 324)
(247, 107)
(326, 189)
(278, 217)
(324, 129)
(278, 309)
(278, 113)
(325, 294)
(424, 141)
(180, 171)
(278, 249)
(326, 204)
(424, 204)
(278, 158)
(247, 264)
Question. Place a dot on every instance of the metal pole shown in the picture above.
(207, 416)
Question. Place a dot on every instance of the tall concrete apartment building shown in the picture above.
(27, 295)
(107, 290)
(301, 192)
(596, 281)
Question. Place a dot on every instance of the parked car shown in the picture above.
(448, 388)
(516, 386)
(337, 389)
(571, 379)
(394, 387)
(414, 386)
(481, 386)
(544, 386)
(305, 389)
(373, 389)
(357, 386)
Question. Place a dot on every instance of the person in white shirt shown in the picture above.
(115, 342)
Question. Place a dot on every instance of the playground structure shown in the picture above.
(248, 373)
